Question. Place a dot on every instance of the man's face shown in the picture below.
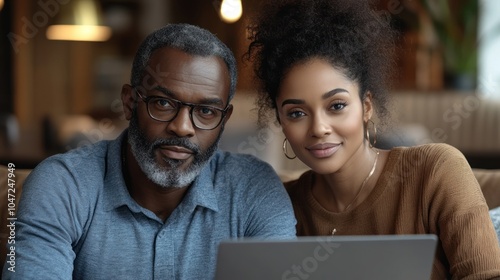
(171, 154)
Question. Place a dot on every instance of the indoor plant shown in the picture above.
(455, 23)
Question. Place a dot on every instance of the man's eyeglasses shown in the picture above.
(165, 109)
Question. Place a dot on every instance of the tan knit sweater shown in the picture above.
(425, 189)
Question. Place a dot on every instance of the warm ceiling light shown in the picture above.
(79, 20)
(78, 32)
(1, 4)
(231, 10)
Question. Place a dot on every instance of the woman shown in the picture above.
(323, 67)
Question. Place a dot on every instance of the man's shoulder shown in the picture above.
(86, 163)
(238, 159)
(245, 178)
(242, 170)
(87, 156)
(239, 162)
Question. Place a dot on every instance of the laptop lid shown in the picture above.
(328, 257)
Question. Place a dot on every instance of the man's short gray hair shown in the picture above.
(187, 38)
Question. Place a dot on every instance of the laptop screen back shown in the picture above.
(337, 257)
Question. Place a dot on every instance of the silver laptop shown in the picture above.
(337, 257)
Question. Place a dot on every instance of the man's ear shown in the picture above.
(229, 112)
(368, 108)
(128, 100)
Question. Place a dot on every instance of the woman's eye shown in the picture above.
(337, 106)
(295, 114)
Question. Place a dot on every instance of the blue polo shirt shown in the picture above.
(76, 219)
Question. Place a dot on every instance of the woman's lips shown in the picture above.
(176, 152)
(323, 150)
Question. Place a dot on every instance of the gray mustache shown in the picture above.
(181, 142)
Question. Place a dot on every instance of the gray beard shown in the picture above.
(143, 151)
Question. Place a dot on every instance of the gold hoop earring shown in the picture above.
(285, 150)
(374, 133)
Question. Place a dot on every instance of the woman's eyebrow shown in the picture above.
(324, 96)
(292, 101)
(333, 92)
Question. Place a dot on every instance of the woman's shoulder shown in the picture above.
(295, 181)
(430, 147)
(433, 151)
(426, 159)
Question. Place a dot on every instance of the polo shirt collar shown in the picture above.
(202, 191)
(115, 190)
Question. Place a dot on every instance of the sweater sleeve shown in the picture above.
(463, 223)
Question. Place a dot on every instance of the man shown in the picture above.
(154, 203)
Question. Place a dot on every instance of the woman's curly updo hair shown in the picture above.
(348, 34)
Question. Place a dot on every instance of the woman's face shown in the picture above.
(322, 115)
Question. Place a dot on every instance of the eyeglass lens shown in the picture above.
(165, 109)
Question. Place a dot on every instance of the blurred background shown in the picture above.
(63, 63)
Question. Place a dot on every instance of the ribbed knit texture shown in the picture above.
(424, 189)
